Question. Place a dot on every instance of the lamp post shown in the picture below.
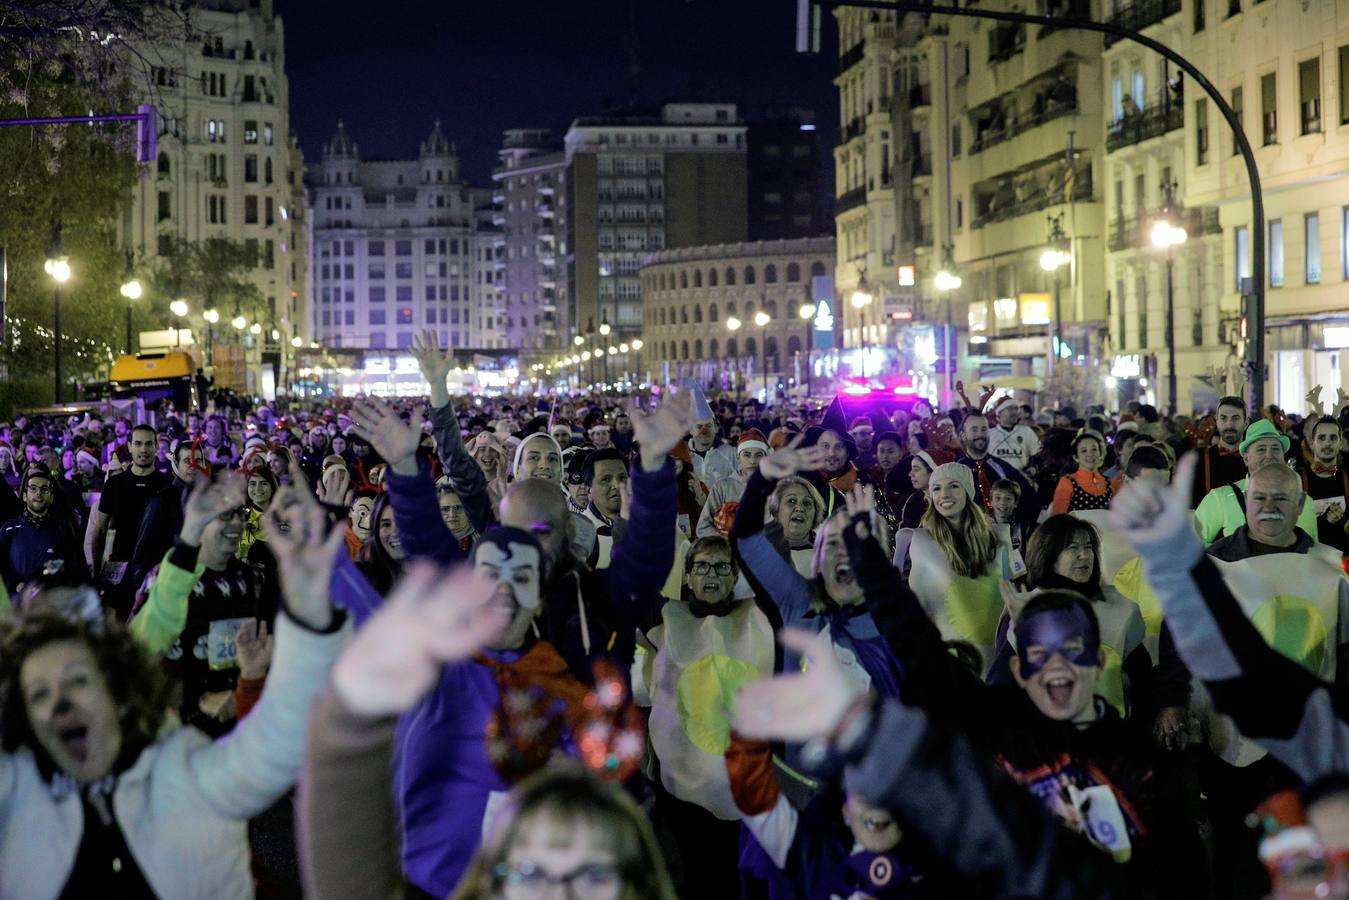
(179, 309)
(807, 314)
(212, 316)
(604, 332)
(945, 282)
(637, 346)
(1052, 260)
(58, 267)
(762, 319)
(131, 290)
(1165, 236)
(861, 299)
(733, 325)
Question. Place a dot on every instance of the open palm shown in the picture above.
(791, 459)
(434, 362)
(395, 440)
(660, 430)
(797, 707)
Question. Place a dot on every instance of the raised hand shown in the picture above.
(209, 500)
(658, 431)
(1148, 514)
(791, 459)
(395, 440)
(305, 547)
(797, 707)
(434, 363)
(430, 620)
(861, 501)
(1013, 600)
(335, 487)
(1171, 729)
(253, 646)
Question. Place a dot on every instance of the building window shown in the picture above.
(1198, 16)
(1344, 94)
(375, 248)
(250, 131)
(1141, 298)
(793, 273)
(269, 211)
(402, 248)
(403, 293)
(955, 139)
(405, 315)
(377, 294)
(377, 341)
(251, 168)
(376, 271)
(1201, 132)
(1309, 94)
(1235, 103)
(749, 274)
(402, 270)
(267, 171)
(251, 210)
(1276, 254)
(267, 133)
(1269, 108)
(376, 317)
(1311, 231)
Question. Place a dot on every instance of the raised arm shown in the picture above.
(347, 822)
(466, 476)
(1294, 715)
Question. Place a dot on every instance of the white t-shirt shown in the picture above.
(1015, 446)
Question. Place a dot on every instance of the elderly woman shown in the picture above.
(99, 798)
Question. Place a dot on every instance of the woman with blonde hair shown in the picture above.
(955, 561)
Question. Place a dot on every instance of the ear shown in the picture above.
(1015, 665)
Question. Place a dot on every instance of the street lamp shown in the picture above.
(945, 282)
(58, 267)
(212, 316)
(861, 299)
(1166, 236)
(239, 322)
(296, 342)
(1052, 260)
(179, 309)
(807, 314)
(131, 290)
(733, 325)
(637, 346)
(762, 319)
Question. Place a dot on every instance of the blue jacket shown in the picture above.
(26, 547)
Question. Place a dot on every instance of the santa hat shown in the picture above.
(752, 439)
(83, 454)
(993, 407)
(934, 458)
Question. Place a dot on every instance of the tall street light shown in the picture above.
(945, 282)
(179, 309)
(58, 267)
(604, 332)
(762, 319)
(1052, 260)
(212, 316)
(637, 346)
(1166, 236)
(132, 290)
(733, 325)
(861, 299)
(807, 313)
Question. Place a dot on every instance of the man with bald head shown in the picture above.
(1274, 498)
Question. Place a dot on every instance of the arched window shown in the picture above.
(662, 315)
(793, 345)
(793, 273)
(698, 349)
(730, 308)
(267, 171)
(816, 268)
(684, 318)
(712, 313)
(749, 274)
(698, 313)
(749, 313)
(712, 349)
(697, 278)
(730, 276)
(672, 309)
(684, 346)
(711, 277)
(750, 347)
(770, 274)
(683, 279)
(770, 345)
(771, 307)
(163, 164)
(661, 280)
(731, 348)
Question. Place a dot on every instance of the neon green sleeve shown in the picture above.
(164, 616)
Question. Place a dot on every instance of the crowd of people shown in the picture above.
(662, 645)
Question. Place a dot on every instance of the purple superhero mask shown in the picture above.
(1050, 629)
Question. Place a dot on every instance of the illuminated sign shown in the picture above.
(978, 318)
(1336, 337)
(1034, 309)
(907, 276)
(1130, 366)
(824, 318)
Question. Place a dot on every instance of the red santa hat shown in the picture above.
(752, 439)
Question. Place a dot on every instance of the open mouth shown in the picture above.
(711, 586)
(1060, 690)
(232, 534)
(75, 741)
(876, 823)
(798, 518)
(843, 573)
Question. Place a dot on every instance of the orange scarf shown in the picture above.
(537, 698)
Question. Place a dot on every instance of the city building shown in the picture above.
(228, 167)
(635, 185)
(701, 306)
(786, 197)
(530, 210)
(396, 246)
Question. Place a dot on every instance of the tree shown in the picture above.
(212, 272)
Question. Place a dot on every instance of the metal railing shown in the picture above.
(855, 197)
(1036, 202)
(1140, 15)
(1159, 118)
(1053, 109)
(851, 57)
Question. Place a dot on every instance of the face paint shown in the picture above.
(1063, 631)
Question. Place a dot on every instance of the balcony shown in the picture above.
(1006, 41)
(922, 165)
(922, 234)
(854, 128)
(920, 95)
(1066, 9)
(851, 57)
(1160, 117)
(854, 198)
(1064, 103)
(1140, 14)
(1135, 232)
(1033, 201)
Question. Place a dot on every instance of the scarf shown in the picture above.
(845, 482)
(538, 700)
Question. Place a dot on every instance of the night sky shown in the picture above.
(389, 70)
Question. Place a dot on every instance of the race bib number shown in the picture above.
(1102, 820)
(221, 650)
(1015, 564)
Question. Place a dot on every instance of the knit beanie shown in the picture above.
(956, 472)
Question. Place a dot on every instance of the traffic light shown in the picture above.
(147, 133)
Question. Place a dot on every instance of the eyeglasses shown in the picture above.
(702, 568)
(39, 488)
(239, 512)
(526, 881)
